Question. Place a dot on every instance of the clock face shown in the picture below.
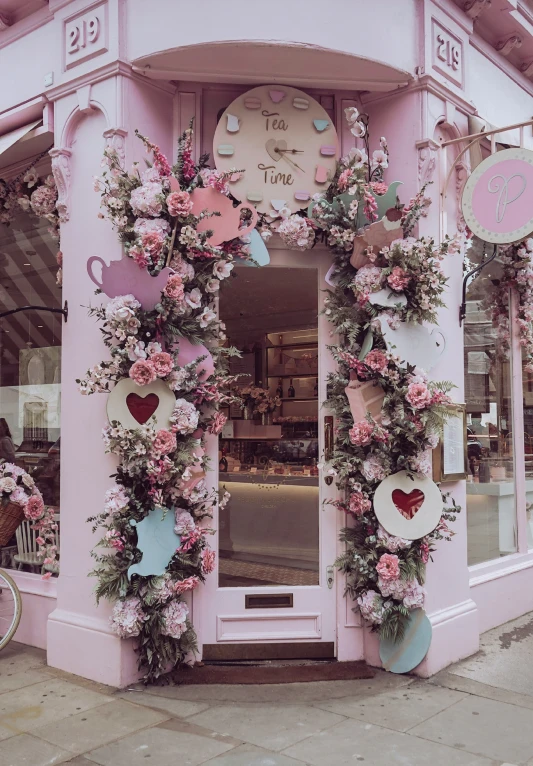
(285, 143)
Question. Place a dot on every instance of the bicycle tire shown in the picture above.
(4, 640)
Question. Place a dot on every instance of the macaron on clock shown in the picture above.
(283, 140)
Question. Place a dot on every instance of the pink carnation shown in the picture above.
(217, 424)
(143, 372)
(388, 567)
(379, 188)
(418, 395)
(190, 583)
(208, 560)
(162, 363)
(179, 204)
(152, 242)
(398, 279)
(359, 503)
(174, 288)
(361, 433)
(376, 360)
(164, 442)
(34, 507)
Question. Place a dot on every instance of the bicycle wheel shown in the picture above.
(10, 608)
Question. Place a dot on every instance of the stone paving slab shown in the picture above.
(177, 707)
(25, 750)
(248, 755)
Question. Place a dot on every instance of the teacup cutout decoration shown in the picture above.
(133, 406)
(363, 398)
(387, 297)
(403, 656)
(157, 542)
(414, 343)
(408, 506)
(124, 277)
(378, 235)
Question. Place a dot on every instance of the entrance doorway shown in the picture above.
(273, 594)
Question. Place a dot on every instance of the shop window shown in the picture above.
(490, 488)
(30, 369)
(527, 389)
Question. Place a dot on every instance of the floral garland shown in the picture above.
(517, 263)
(152, 210)
(32, 194)
(17, 486)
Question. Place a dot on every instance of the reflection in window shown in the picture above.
(30, 369)
(491, 509)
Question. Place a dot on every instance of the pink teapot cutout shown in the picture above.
(124, 277)
(225, 226)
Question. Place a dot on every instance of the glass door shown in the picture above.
(275, 541)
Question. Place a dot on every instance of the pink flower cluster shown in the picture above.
(174, 619)
(377, 360)
(364, 432)
(174, 288)
(127, 617)
(179, 204)
(358, 503)
(388, 567)
(158, 365)
(398, 279)
(185, 417)
(370, 605)
(164, 442)
(418, 395)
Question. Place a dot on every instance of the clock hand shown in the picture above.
(290, 151)
(291, 162)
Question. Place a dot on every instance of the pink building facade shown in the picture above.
(81, 76)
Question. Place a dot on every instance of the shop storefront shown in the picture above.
(426, 75)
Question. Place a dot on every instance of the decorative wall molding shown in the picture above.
(61, 171)
(116, 139)
(5, 22)
(506, 46)
(474, 8)
(462, 171)
(427, 159)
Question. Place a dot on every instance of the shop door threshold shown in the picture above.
(324, 650)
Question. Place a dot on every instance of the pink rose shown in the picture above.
(376, 360)
(208, 560)
(359, 503)
(174, 288)
(142, 372)
(398, 279)
(179, 204)
(162, 363)
(418, 395)
(164, 442)
(34, 507)
(361, 433)
(388, 567)
(152, 243)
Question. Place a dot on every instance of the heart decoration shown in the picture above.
(141, 408)
(271, 146)
(133, 406)
(408, 504)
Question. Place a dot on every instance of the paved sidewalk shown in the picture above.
(478, 713)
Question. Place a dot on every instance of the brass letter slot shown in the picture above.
(268, 601)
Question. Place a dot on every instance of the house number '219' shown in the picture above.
(82, 34)
(448, 52)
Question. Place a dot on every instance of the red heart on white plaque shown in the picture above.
(408, 504)
(142, 408)
(132, 405)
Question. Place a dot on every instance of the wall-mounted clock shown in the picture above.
(284, 141)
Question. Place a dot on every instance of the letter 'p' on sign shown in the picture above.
(497, 200)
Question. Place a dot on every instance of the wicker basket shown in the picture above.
(11, 516)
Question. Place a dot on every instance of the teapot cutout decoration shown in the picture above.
(414, 343)
(226, 225)
(124, 277)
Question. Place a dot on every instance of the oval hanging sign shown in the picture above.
(497, 201)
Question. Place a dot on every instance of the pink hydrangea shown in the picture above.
(174, 619)
(370, 605)
(185, 417)
(388, 567)
(34, 507)
(296, 233)
(184, 522)
(162, 363)
(190, 583)
(377, 360)
(418, 395)
(174, 288)
(398, 279)
(422, 463)
(43, 200)
(390, 542)
(19, 496)
(146, 199)
(164, 442)
(158, 225)
(208, 560)
(179, 203)
(374, 469)
(143, 372)
(368, 279)
(127, 617)
(114, 540)
(414, 595)
(358, 503)
(116, 500)
(361, 433)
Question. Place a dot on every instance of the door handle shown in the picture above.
(328, 438)
(330, 576)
